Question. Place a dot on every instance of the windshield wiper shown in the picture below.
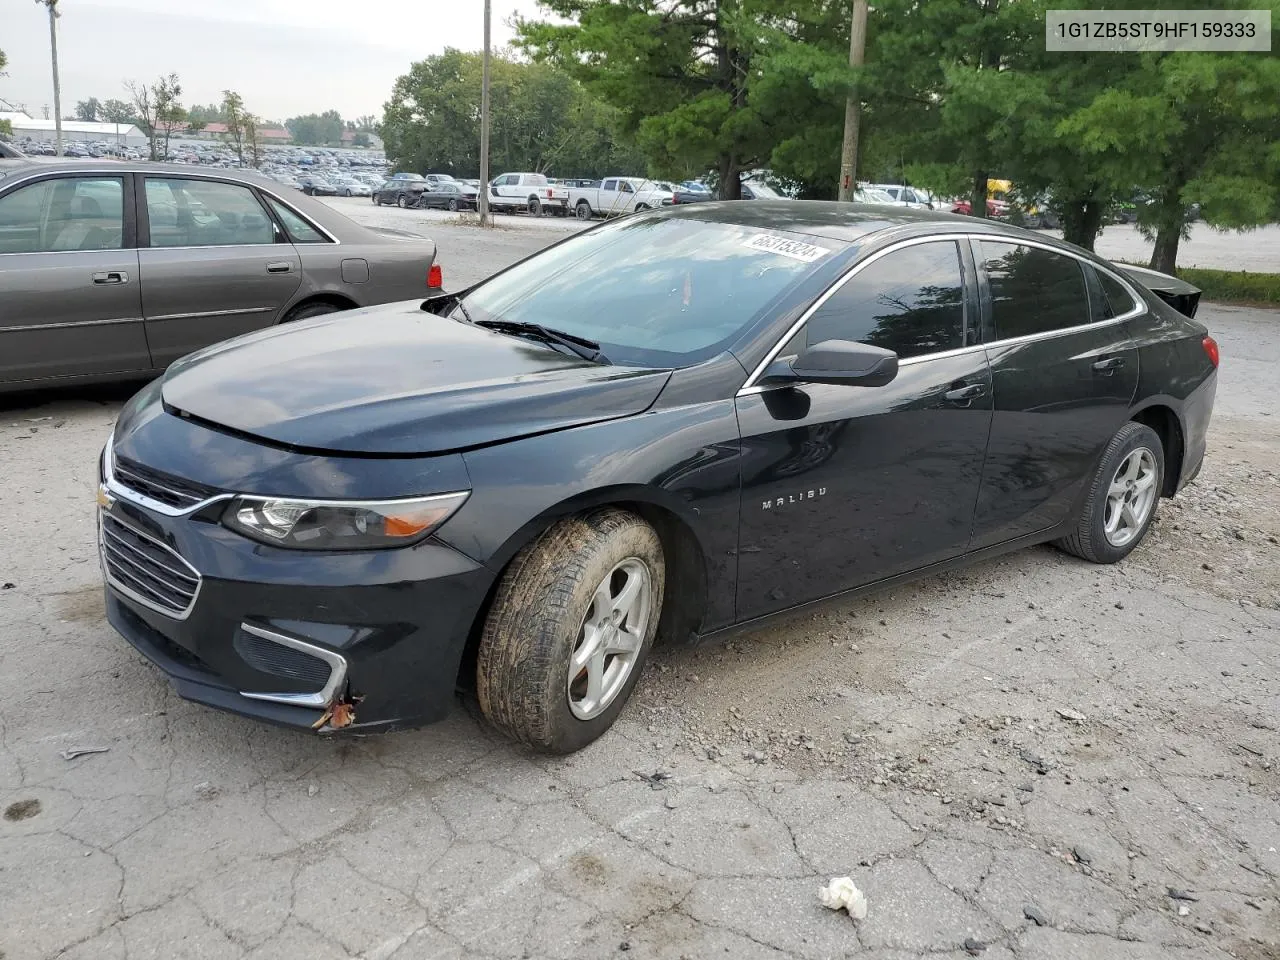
(584, 348)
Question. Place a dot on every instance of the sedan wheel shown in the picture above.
(571, 624)
(1123, 497)
(453, 205)
(400, 202)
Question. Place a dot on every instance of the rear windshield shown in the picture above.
(663, 292)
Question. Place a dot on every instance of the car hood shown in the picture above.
(396, 380)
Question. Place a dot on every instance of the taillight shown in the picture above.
(435, 277)
(1211, 349)
(550, 193)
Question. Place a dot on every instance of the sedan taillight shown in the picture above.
(435, 277)
(1211, 348)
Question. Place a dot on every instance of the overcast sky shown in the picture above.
(285, 57)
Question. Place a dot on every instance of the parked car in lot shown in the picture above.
(904, 195)
(449, 195)
(529, 192)
(518, 487)
(114, 269)
(316, 186)
(617, 195)
(402, 192)
(351, 187)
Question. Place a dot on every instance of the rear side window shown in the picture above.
(70, 213)
(910, 301)
(298, 229)
(1033, 290)
(1119, 299)
(534, 180)
(204, 213)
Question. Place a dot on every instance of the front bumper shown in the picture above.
(279, 634)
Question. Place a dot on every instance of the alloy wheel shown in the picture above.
(610, 638)
(1130, 497)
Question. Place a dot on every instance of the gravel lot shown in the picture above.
(1031, 754)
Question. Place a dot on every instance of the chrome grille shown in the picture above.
(146, 570)
(166, 489)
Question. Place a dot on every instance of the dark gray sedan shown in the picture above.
(113, 270)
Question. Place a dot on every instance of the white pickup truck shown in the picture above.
(529, 192)
(617, 195)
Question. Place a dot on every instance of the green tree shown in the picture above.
(1195, 127)
(116, 111)
(88, 109)
(6, 128)
(170, 114)
(235, 117)
(679, 72)
(203, 115)
(366, 124)
(361, 139)
(541, 120)
(317, 129)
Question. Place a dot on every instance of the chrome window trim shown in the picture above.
(71, 323)
(337, 670)
(751, 386)
(133, 594)
(212, 313)
(118, 489)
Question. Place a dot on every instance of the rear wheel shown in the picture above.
(1122, 499)
(583, 210)
(535, 207)
(376, 201)
(570, 628)
(641, 207)
(307, 310)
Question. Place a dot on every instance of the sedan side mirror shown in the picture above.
(840, 362)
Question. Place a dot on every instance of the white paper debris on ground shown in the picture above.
(841, 894)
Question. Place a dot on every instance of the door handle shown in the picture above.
(969, 392)
(1109, 366)
(279, 266)
(110, 276)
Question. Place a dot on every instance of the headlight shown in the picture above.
(340, 524)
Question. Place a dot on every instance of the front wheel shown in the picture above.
(401, 202)
(453, 205)
(570, 628)
(1122, 498)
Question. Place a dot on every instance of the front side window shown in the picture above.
(654, 292)
(204, 213)
(910, 301)
(68, 213)
(298, 229)
(1033, 290)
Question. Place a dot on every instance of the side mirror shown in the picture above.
(840, 362)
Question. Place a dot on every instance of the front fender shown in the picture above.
(683, 460)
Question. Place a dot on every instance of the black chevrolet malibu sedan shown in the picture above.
(670, 425)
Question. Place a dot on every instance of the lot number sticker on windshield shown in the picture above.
(795, 249)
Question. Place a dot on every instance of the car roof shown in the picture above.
(853, 222)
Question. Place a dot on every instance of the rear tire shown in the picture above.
(534, 207)
(554, 603)
(308, 310)
(1123, 497)
(641, 207)
(453, 205)
(583, 210)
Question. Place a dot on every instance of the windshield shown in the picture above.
(764, 192)
(663, 292)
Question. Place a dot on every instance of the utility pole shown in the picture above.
(853, 105)
(57, 86)
(484, 124)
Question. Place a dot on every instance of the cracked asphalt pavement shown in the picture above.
(1032, 758)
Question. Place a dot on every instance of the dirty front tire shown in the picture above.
(1090, 540)
(542, 615)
